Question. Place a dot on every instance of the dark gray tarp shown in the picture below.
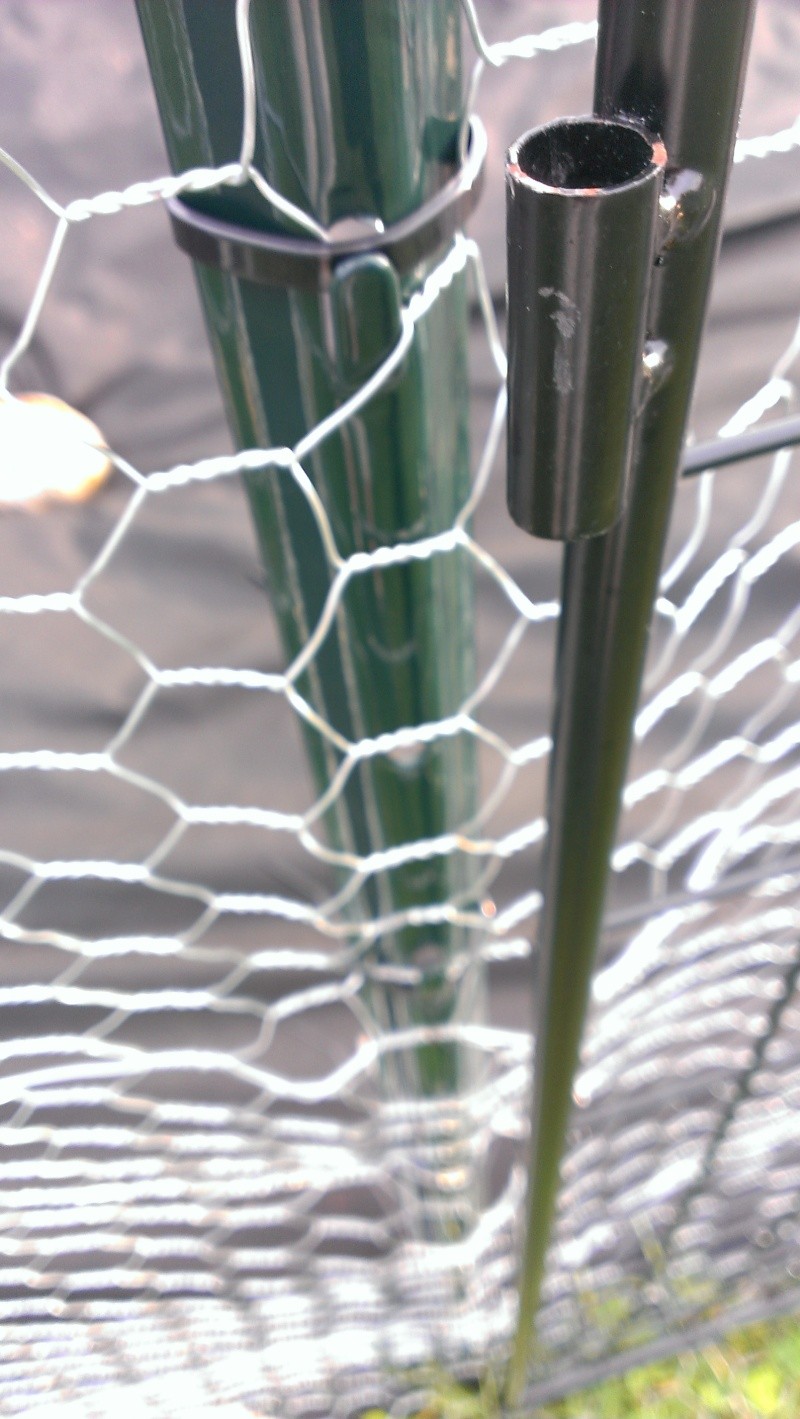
(121, 338)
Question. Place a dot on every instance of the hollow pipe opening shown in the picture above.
(582, 199)
(584, 155)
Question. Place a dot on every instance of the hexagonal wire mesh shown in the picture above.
(212, 1196)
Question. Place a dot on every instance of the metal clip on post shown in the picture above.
(582, 207)
(303, 263)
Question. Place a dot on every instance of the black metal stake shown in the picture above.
(677, 67)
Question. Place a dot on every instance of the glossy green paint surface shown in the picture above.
(360, 102)
(359, 108)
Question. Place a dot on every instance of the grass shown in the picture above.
(754, 1374)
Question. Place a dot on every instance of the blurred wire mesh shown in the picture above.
(209, 1201)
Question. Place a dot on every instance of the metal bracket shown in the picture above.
(310, 265)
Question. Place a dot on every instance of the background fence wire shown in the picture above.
(208, 1200)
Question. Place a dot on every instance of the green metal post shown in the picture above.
(677, 67)
(359, 115)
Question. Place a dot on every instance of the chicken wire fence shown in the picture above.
(224, 1186)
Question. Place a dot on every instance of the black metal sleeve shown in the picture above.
(582, 202)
